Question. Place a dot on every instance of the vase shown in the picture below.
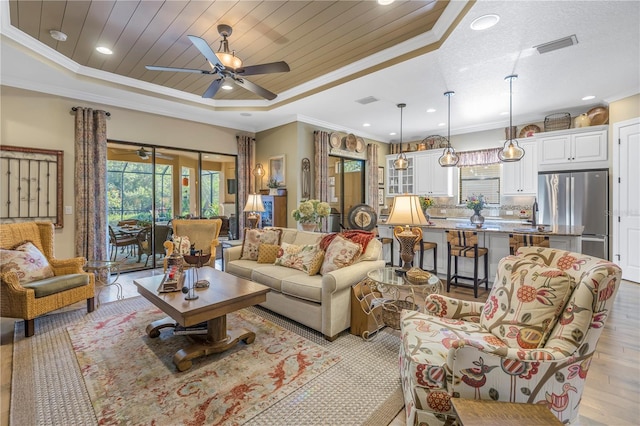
(427, 216)
(477, 219)
(309, 227)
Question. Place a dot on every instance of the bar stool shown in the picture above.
(387, 240)
(465, 244)
(526, 240)
(425, 246)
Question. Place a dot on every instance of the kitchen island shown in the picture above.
(494, 235)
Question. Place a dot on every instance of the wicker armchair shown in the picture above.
(20, 302)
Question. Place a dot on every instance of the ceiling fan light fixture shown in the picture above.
(226, 85)
(229, 60)
(58, 35)
(511, 151)
(449, 158)
(401, 162)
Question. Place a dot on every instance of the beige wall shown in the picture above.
(624, 109)
(31, 119)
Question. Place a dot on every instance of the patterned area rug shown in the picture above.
(298, 378)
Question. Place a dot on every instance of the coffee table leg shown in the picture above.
(218, 339)
(153, 329)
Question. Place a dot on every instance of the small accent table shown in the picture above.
(472, 412)
(104, 269)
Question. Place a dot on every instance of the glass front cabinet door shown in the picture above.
(399, 181)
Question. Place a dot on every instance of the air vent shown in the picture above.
(367, 100)
(557, 44)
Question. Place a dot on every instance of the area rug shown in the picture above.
(131, 377)
(350, 381)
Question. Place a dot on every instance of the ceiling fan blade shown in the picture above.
(156, 68)
(270, 68)
(213, 89)
(261, 91)
(206, 50)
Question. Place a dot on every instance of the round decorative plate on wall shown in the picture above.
(528, 131)
(359, 144)
(362, 217)
(350, 142)
(334, 140)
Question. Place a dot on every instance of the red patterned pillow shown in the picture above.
(26, 261)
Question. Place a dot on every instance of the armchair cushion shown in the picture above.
(525, 302)
(57, 284)
(182, 244)
(27, 261)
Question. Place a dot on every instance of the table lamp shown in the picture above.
(254, 206)
(406, 211)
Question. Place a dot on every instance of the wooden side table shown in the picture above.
(477, 412)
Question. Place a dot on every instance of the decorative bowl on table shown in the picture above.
(197, 259)
(417, 276)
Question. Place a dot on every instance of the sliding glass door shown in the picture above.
(346, 189)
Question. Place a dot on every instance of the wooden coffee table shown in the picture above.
(474, 412)
(226, 293)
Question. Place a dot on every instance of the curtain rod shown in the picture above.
(74, 109)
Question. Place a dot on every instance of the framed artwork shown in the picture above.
(31, 184)
(277, 169)
(380, 176)
(381, 196)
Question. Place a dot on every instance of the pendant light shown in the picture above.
(401, 162)
(511, 151)
(449, 158)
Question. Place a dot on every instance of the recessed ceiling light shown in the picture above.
(385, 2)
(441, 124)
(588, 98)
(484, 22)
(431, 110)
(58, 35)
(392, 134)
(104, 50)
(245, 114)
(366, 125)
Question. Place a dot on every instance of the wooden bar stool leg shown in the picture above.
(448, 269)
(475, 277)
(435, 260)
(486, 272)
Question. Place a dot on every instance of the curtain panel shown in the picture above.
(246, 157)
(321, 141)
(91, 183)
(372, 175)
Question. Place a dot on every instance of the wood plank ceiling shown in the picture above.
(313, 37)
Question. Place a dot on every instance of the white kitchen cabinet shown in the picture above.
(433, 180)
(521, 177)
(573, 149)
(400, 181)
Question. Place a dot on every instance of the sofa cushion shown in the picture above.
(340, 253)
(272, 275)
(242, 268)
(307, 238)
(300, 257)
(49, 286)
(26, 261)
(525, 302)
(254, 237)
(268, 253)
(372, 252)
(303, 286)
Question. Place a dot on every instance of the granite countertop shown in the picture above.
(504, 227)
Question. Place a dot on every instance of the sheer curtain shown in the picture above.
(321, 192)
(91, 183)
(372, 175)
(246, 156)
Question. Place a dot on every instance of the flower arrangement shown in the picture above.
(272, 183)
(476, 202)
(311, 211)
(425, 202)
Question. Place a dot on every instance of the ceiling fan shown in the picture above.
(227, 66)
(145, 155)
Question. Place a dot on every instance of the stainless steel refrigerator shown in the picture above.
(577, 198)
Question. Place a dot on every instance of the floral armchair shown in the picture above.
(531, 342)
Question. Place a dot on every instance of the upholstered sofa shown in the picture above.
(63, 283)
(531, 342)
(321, 302)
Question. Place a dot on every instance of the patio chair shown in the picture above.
(123, 241)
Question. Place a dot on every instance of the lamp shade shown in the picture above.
(406, 210)
(254, 203)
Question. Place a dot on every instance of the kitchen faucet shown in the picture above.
(534, 213)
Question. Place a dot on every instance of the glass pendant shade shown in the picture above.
(401, 162)
(511, 151)
(449, 158)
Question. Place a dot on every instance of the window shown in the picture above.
(478, 180)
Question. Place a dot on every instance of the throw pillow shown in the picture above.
(303, 258)
(27, 261)
(340, 253)
(254, 237)
(267, 253)
(525, 302)
(182, 244)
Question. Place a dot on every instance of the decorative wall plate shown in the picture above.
(350, 142)
(359, 144)
(362, 217)
(598, 115)
(334, 140)
(528, 131)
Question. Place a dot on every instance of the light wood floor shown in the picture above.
(611, 395)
